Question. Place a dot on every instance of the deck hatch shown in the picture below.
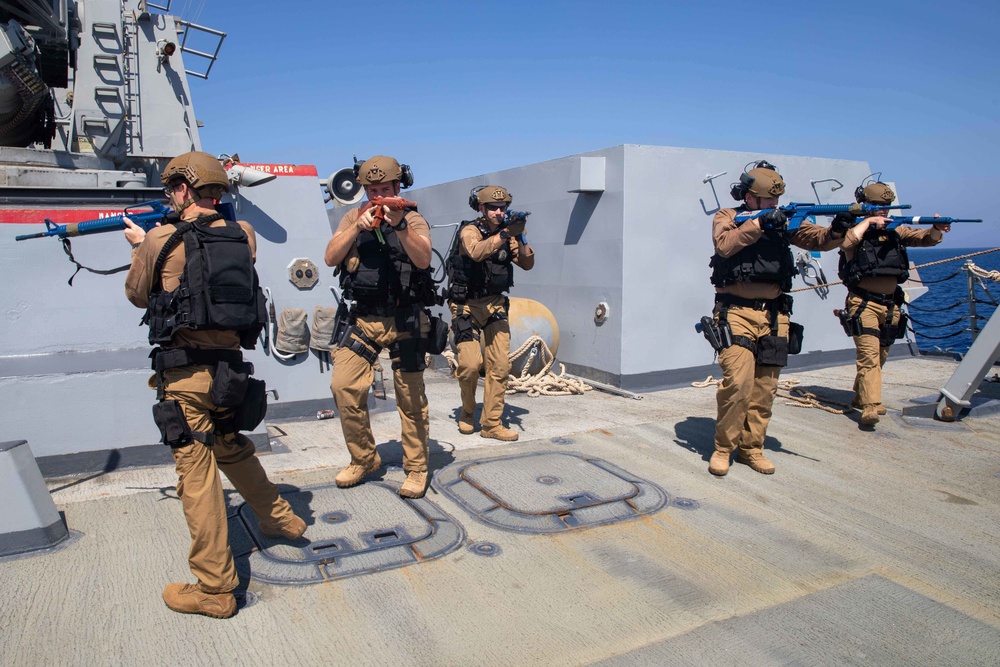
(355, 531)
(548, 492)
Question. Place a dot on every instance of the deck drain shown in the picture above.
(548, 479)
(561, 441)
(335, 517)
(684, 503)
(484, 549)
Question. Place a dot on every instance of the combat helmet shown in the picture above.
(379, 169)
(762, 181)
(203, 172)
(489, 194)
(875, 192)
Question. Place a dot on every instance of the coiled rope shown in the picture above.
(542, 383)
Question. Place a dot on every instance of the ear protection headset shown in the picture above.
(859, 192)
(739, 190)
(474, 199)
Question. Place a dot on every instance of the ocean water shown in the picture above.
(934, 314)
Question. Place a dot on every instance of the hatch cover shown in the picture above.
(548, 492)
(354, 531)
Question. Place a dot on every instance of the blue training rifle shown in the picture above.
(896, 221)
(797, 212)
(147, 220)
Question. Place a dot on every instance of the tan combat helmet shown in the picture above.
(763, 181)
(494, 194)
(874, 193)
(379, 169)
(201, 171)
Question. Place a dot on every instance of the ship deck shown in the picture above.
(868, 546)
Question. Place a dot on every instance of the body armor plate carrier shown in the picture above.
(880, 253)
(219, 288)
(385, 274)
(474, 280)
(769, 260)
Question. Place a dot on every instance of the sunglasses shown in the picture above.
(495, 207)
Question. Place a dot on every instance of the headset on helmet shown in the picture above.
(739, 190)
(489, 194)
(390, 166)
(873, 191)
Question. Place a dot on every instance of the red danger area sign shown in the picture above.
(284, 169)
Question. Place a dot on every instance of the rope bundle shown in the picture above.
(795, 396)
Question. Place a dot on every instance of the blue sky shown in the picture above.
(462, 88)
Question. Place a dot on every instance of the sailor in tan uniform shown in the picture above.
(384, 270)
(201, 378)
(481, 272)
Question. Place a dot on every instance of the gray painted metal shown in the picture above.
(357, 531)
(29, 520)
(641, 245)
(548, 492)
(957, 392)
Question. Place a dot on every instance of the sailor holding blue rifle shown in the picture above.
(752, 270)
(873, 265)
(194, 274)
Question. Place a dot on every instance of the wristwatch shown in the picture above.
(504, 234)
(402, 225)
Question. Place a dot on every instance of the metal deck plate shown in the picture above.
(548, 492)
(869, 621)
(354, 531)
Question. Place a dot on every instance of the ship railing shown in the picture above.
(187, 29)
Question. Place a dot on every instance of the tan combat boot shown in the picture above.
(755, 459)
(879, 408)
(190, 599)
(354, 473)
(415, 485)
(500, 432)
(869, 415)
(719, 463)
(465, 424)
(292, 530)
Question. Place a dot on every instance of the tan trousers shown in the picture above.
(352, 378)
(871, 355)
(200, 488)
(496, 341)
(747, 391)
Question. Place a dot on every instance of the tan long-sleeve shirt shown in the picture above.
(729, 239)
(478, 249)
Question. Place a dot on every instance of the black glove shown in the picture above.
(842, 222)
(516, 227)
(774, 220)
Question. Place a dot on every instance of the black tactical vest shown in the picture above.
(769, 260)
(880, 253)
(218, 290)
(473, 280)
(385, 273)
